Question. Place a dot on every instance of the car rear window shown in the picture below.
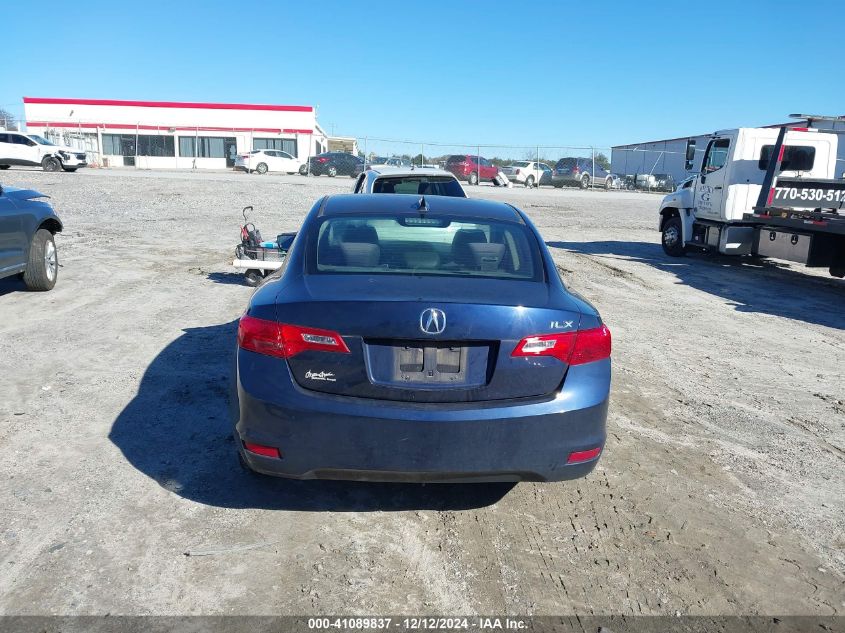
(456, 159)
(520, 163)
(419, 185)
(419, 245)
(565, 163)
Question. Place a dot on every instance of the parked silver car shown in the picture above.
(28, 225)
(415, 180)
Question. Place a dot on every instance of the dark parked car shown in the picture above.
(418, 338)
(336, 164)
(471, 168)
(578, 172)
(664, 182)
(27, 246)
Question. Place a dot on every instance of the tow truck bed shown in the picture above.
(803, 221)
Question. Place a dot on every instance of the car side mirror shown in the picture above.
(703, 179)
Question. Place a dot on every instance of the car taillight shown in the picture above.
(518, 172)
(579, 457)
(322, 160)
(285, 341)
(576, 170)
(574, 348)
(264, 451)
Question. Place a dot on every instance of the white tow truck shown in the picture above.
(763, 191)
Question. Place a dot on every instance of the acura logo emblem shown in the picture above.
(432, 321)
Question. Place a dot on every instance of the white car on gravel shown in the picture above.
(262, 161)
(528, 173)
(17, 148)
(415, 180)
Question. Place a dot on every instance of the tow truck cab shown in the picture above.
(716, 209)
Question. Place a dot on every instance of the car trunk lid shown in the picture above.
(418, 339)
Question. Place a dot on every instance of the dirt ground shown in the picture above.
(720, 492)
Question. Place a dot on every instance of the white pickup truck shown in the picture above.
(765, 192)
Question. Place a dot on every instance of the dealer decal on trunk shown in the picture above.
(325, 376)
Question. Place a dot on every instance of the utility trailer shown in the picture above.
(764, 192)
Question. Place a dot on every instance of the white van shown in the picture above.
(17, 148)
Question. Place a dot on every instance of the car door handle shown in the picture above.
(719, 187)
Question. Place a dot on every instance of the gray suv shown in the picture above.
(27, 245)
(579, 172)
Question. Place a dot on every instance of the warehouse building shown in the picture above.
(169, 134)
(681, 157)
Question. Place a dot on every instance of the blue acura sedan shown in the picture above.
(414, 338)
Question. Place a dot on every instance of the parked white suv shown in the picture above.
(17, 148)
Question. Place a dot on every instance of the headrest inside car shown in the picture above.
(360, 233)
(360, 254)
(460, 245)
(487, 256)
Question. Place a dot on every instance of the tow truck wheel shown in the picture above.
(671, 239)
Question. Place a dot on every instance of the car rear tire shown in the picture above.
(672, 238)
(585, 181)
(529, 182)
(261, 168)
(70, 169)
(51, 164)
(303, 170)
(332, 171)
(608, 184)
(472, 179)
(42, 267)
(4, 166)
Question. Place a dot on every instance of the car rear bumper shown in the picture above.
(331, 437)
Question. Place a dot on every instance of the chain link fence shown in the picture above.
(562, 165)
(558, 166)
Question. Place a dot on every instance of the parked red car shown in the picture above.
(471, 168)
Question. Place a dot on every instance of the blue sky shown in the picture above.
(594, 73)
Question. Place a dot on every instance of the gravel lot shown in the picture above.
(721, 490)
